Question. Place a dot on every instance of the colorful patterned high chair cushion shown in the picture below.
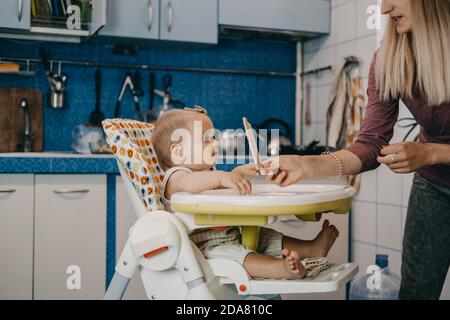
(131, 143)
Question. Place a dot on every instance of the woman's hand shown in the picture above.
(407, 157)
(288, 170)
(247, 170)
(235, 181)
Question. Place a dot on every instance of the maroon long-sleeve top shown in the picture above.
(378, 128)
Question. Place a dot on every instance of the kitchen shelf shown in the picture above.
(18, 73)
(27, 72)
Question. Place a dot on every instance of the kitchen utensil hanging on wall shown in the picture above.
(168, 102)
(308, 117)
(150, 115)
(276, 143)
(57, 82)
(133, 82)
(97, 116)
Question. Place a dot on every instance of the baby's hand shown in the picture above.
(236, 181)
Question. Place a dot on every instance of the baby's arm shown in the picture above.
(196, 182)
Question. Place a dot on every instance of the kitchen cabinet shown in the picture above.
(139, 20)
(15, 14)
(194, 21)
(189, 20)
(70, 237)
(303, 16)
(16, 236)
(125, 218)
(39, 20)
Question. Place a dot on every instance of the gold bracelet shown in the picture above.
(341, 166)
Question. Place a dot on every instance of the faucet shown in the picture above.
(27, 139)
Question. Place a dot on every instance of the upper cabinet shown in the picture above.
(189, 20)
(51, 20)
(137, 20)
(307, 17)
(15, 14)
(172, 20)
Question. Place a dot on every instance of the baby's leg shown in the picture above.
(319, 247)
(262, 266)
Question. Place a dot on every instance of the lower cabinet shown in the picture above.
(125, 218)
(16, 236)
(70, 237)
(52, 236)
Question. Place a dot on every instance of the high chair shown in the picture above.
(170, 265)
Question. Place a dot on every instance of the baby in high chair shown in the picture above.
(187, 150)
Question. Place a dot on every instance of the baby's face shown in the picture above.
(203, 145)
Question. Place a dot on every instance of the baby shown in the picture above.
(187, 150)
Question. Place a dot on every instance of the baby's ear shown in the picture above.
(176, 154)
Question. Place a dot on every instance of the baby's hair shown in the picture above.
(166, 124)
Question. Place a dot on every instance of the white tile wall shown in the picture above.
(346, 22)
(406, 188)
(379, 210)
(361, 18)
(364, 255)
(389, 186)
(404, 214)
(389, 226)
(368, 190)
(364, 220)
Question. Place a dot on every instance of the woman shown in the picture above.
(412, 64)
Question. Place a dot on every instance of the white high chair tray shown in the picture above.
(268, 196)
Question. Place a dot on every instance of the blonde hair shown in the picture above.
(166, 124)
(417, 60)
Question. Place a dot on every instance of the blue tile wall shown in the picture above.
(227, 97)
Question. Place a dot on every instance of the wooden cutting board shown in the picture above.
(12, 119)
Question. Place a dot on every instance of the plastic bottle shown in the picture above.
(378, 284)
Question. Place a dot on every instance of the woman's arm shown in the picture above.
(196, 182)
(439, 153)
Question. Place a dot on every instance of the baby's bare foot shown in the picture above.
(322, 244)
(293, 268)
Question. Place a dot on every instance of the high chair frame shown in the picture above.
(170, 265)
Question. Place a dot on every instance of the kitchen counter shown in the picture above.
(57, 162)
(68, 162)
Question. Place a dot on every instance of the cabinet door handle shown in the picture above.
(170, 17)
(8, 191)
(20, 6)
(70, 191)
(150, 15)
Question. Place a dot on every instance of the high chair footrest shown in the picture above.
(326, 281)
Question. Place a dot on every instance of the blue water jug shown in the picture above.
(379, 284)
